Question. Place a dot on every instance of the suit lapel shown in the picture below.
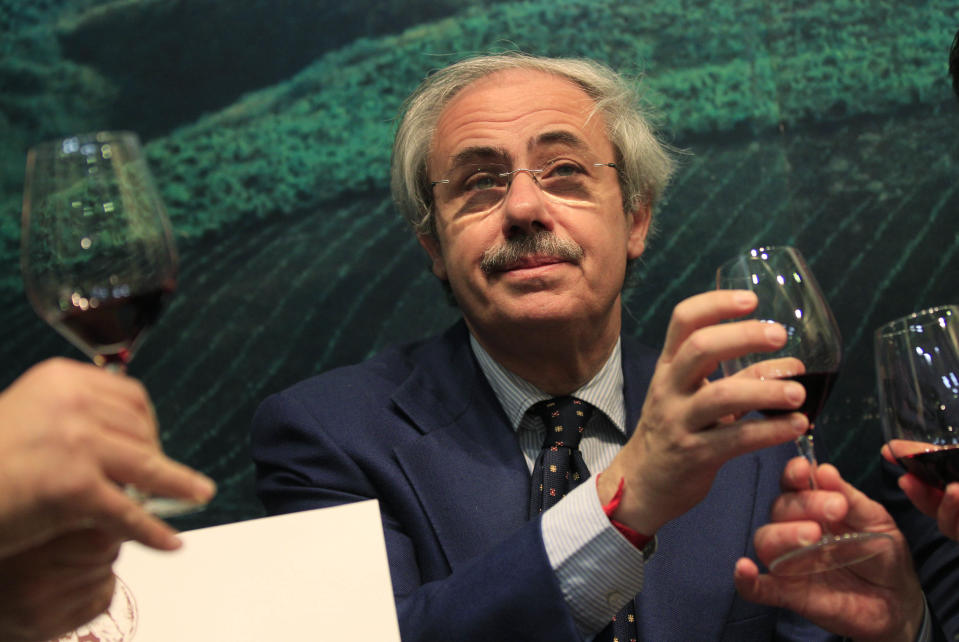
(467, 467)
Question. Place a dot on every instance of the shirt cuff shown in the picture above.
(598, 569)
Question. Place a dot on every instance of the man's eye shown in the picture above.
(563, 169)
(479, 182)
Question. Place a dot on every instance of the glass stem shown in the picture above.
(806, 447)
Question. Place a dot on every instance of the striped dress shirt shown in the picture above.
(597, 568)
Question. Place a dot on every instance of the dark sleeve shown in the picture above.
(935, 556)
(508, 592)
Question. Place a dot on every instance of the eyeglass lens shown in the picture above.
(483, 186)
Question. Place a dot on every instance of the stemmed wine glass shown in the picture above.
(917, 374)
(789, 295)
(97, 252)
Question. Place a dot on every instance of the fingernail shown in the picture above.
(799, 423)
(833, 509)
(795, 392)
(744, 298)
(808, 535)
(775, 333)
(204, 487)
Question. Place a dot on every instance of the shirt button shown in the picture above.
(615, 599)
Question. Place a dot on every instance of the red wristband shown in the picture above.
(635, 538)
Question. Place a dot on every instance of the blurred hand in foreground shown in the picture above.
(71, 435)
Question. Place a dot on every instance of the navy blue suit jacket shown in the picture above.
(419, 429)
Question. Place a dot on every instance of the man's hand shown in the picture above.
(57, 586)
(689, 427)
(942, 506)
(70, 435)
(876, 599)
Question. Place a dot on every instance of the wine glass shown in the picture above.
(917, 375)
(789, 295)
(97, 253)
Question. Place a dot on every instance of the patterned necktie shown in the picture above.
(559, 468)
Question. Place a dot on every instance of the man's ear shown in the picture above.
(432, 246)
(638, 228)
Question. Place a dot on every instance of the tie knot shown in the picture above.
(565, 419)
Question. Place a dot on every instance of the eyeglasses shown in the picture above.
(480, 187)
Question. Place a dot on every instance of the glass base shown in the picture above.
(831, 552)
(162, 507)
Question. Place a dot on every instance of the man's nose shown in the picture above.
(524, 207)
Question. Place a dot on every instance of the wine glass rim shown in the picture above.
(924, 316)
(757, 251)
(97, 136)
(754, 256)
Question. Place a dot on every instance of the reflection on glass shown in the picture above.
(917, 375)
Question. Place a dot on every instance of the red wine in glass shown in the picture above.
(112, 327)
(818, 386)
(917, 377)
(936, 467)
(789, 295)
(97, 252)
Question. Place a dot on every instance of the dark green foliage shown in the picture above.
(326, 132)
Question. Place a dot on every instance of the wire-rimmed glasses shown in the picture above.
(480, 187)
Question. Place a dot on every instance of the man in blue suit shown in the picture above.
(530, 183)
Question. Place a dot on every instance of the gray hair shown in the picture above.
(644, 163)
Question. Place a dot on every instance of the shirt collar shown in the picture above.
(516, 395)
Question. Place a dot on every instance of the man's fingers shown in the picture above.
(813, 505)
(779, 368)
(761, 589)
(864, 514)
(705, 309)
(948, 513)
(887, 454)
(923, 496)
(151, 471)
(87, 547)
(732, 396)
(776, 539)
(725, 441)
(831, 501)
(707, 347)
(116, 401)
(53, 606)
(114, 511)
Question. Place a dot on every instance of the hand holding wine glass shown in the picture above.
(789, 295)
(917, 374)
(98, 256)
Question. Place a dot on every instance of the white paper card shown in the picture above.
(317, 575)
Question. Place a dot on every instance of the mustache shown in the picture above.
(502, 257)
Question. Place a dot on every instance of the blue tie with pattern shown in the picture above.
(559, 468)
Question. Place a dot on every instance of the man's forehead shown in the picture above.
(554, 141)
(523, 109)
